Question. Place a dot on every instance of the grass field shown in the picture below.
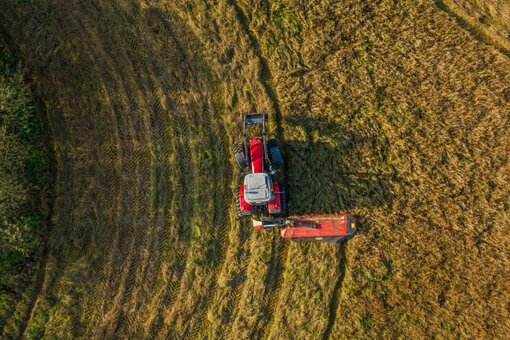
(489, 17)
(389, 110)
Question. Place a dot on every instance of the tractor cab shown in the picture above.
(258, 188)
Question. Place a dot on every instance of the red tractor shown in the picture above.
(260, 193)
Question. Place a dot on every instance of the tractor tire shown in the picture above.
(238, 203)
(239, 155)
(275, 153)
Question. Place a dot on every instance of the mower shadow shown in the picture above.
(325, 177)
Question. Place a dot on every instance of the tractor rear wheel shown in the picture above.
(238, 202)
(239, 155)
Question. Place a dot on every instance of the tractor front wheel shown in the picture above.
(239, 155)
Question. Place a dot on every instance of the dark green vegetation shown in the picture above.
(23, 177)
(387, 109)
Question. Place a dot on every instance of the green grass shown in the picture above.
(24, 171)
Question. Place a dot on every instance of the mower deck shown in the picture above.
(326, 228)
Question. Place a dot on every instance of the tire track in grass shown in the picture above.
(182, 210)
(134, 47)
(280, 247)
(162, 198)
(184, 216)
(128, 233)
(108, 76)
(111, 235)
(337, 291)
(132, 162)
(182, 206)
(151, 236)
(129, 166)
(54, 276)
(181, 315)
(160, 118)
(142, 237)
(205, 125)
(275, 276)
(162, 123)
(124, 259)
(209, 123)
(152, 258)
(110, 240)
(221, 215)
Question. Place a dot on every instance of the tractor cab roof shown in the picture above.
(257, 188)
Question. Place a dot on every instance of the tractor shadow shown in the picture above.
(331, 176)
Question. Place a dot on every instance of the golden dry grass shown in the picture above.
(492, 17)
(388, 110)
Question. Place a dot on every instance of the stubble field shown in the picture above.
(389, 110)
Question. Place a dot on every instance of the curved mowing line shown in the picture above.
(219, 210)
(142, 236)
(221, 215)
(100, 297)
(127, 167)
(128, 234)
(152, 261)
(163, 201)
(150, 241)
(180, 125)
(183, 187)
(126, 319)
(131, 166)
(161, 118)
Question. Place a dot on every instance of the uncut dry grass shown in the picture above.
(388, 110)
(492, 17)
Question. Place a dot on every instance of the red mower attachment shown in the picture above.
(332, 228)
